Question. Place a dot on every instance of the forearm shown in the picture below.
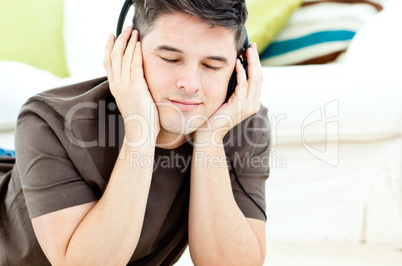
(218, 231)
(110, 231)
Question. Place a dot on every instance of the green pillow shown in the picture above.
(266, 18)
(31, 31)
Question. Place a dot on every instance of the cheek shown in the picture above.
(155, 76)
(217, 89)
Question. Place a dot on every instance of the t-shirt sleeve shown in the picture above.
(49, 179)
(251, 164)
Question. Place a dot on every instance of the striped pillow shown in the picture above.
(319, 31)
(6, 153)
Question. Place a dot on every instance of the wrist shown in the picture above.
(138, 132)
(133, 150)
(207, 138)
(137, 139)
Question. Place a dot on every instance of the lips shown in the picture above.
(185, 105)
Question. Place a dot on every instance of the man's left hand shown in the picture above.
(244, 102)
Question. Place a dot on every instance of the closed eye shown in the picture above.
(211, 67)
(170, 61)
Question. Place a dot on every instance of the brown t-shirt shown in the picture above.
(67, 142)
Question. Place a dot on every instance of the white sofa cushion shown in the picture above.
(365, 101)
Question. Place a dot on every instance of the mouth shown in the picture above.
(185, 105)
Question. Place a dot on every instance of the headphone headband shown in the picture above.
(122, 17)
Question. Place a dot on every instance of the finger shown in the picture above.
(260, 75)
(128, 55)
(118, 51)
(254, 73)
(254, 46)
(136, 67)
(241, 87)
(107, 62)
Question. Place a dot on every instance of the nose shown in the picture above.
(188, 79)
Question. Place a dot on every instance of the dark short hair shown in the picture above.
(230, 14)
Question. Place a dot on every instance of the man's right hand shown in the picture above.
(124, 68)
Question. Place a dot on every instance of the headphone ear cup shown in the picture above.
(231, 86)
(233, 80)
(245, 65)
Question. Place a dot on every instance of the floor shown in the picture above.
(325, 254)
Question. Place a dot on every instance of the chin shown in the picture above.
(179, 126)
(175, 121)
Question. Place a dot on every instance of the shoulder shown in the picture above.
(49, 154)
(250, 134)
(54, 123)
(60, 101)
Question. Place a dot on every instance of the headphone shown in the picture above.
(231, 86)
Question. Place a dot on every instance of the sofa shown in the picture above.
(334, 195)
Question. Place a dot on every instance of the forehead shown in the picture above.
(190, 32)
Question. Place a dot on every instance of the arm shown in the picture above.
(107, 231)
(217, 227)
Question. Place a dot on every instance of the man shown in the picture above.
(102, 194)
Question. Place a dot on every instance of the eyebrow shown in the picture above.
(169, 48)
(173, 49)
